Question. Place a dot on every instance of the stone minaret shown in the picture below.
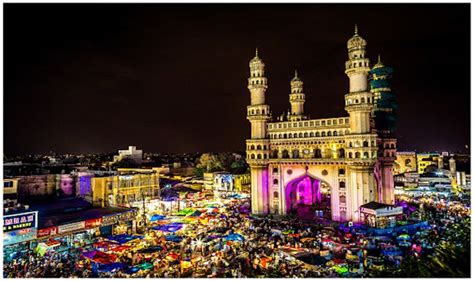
(385, 124)
(297, 99)
(258, 146)
(361, 149)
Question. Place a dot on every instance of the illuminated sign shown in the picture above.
(20, 221)
(18, 236)
(71, 227)
(93, 223)
(50, 231)
(122, 217)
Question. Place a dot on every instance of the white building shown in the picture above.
(131, 153)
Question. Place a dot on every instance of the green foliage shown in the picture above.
(125, 163)
(209, 162)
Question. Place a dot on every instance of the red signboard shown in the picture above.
(93, 223)
(50, 231)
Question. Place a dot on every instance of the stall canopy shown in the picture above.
(174, 238)
(234, 237)
(124, 238)
(171, 227)
(100, 257)
(150, 250)
(111, 266)
(157, 218)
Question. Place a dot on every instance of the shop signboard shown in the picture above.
(71, 227)
(18, 236)
(121, 217)
(49, 231)
(20, 221)
(93, 223)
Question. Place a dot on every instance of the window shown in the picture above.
(300, 135)
(350, 155)
(334, 133)
(252, 156)
(342, 184)
(317, 134)
(311, 134)
(275, 194)
(357, 155)
(317, 153)
(366, 155)
(342, 199)
(341, 153)
(275, 170)
(259, 156)
(305, 135)
(365, 143)
(275, 155)
(323, 134)
(259, 147)
(275, 181)
(295, 153)
(252, 147)
(285, 154)
(329, 134)
(362, 100)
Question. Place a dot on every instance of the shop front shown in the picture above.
(18, 231)
(380, 215)
(121, 223)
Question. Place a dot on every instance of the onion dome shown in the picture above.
(356, 42)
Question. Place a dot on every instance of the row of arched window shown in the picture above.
(332, 122)
(356, 101)
(360, 64)
(258, 147)
(357, 144)
(257, 82)
(256, 111)
(387, 145)
(308, 134)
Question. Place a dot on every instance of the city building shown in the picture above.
(335, 163)
(405, 162)
(425, 160)
(130, 153)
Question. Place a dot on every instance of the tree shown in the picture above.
(125, 163)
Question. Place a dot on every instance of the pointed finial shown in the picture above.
(256, 52)
(296, 73)
(379, 59)
(356, 30)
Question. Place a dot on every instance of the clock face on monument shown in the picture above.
(306, 151)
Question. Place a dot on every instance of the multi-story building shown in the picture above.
(127, 188)
(425, 160)
(405, 162)
(336, 163)
(131, 153)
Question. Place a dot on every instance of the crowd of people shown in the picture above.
(262, 247)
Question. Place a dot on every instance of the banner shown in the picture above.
(93, 223)
(50, 231)
(20, 221)
(71, 227)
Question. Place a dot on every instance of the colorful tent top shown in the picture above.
(340, 269)
(150, 250)
(306, 239)
(174, 238)
(172, 256)
(404, 237)
(120, 248)
(157, 218)
(144, 266)
(124, 238)
(288, 231)
(196, 213)
(186, 212)
(105, 244)
(171, 227)
(100, 257)
(110, 267)
(234, 237)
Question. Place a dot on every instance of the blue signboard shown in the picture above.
(20, 221)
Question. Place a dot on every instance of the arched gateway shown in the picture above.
(308, 197)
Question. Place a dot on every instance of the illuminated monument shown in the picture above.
(330, 165)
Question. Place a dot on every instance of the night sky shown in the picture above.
(90, 78)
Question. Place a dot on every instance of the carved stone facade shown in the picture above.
(307, 161)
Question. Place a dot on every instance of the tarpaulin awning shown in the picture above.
(157, 218)
(150, 250)
(174, 238)
(172, 227)
(124, 238)
(111, 266)
(144, 266)
(234, 237)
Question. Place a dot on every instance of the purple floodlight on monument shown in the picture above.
(304, 190)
